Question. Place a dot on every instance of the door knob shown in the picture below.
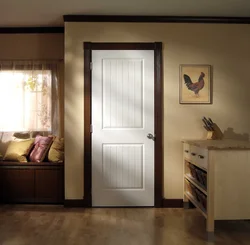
(151, 137)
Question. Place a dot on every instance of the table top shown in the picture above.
(224, 144)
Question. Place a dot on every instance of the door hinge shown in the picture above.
(91, 65)
(91, 128)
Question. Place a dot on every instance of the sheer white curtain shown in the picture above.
(29, 96)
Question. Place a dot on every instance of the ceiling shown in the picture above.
(33, 13)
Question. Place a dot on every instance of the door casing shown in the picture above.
(158, 113)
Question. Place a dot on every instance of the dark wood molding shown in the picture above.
(172, 203)
(30, 30)
(87, 122)
(158, 66)
(31, 164)
(122, 46)
(156, 19)
(159, 119)
(75, 203)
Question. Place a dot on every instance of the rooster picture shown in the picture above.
(196, 86)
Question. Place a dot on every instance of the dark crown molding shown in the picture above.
(156, 19)
(19, 30)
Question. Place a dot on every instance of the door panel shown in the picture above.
(122, 93)
(122, 166)
(122, 116)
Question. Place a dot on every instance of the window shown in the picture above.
(25, 99)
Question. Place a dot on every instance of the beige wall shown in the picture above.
(225, 47)
(31, 46)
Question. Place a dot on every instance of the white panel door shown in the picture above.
(122, 117)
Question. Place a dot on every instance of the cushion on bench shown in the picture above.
(18, 150)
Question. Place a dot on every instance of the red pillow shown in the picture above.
(42, 145)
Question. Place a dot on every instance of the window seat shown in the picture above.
(31, 182)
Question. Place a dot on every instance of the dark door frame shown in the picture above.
(158, 111)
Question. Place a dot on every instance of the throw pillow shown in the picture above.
(21, 135)
(40, 133)
(18, 150)
(42, 145)
(56, 151)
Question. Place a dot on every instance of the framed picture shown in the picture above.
(195, 84)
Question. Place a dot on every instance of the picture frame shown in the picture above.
(195, 84)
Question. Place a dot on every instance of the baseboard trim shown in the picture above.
(172, 203)
(74, 203)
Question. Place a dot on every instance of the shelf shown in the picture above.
(196, 204)
(201, 187)
(198, 166)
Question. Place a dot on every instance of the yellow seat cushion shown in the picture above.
(18, 151)
(56, 151)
